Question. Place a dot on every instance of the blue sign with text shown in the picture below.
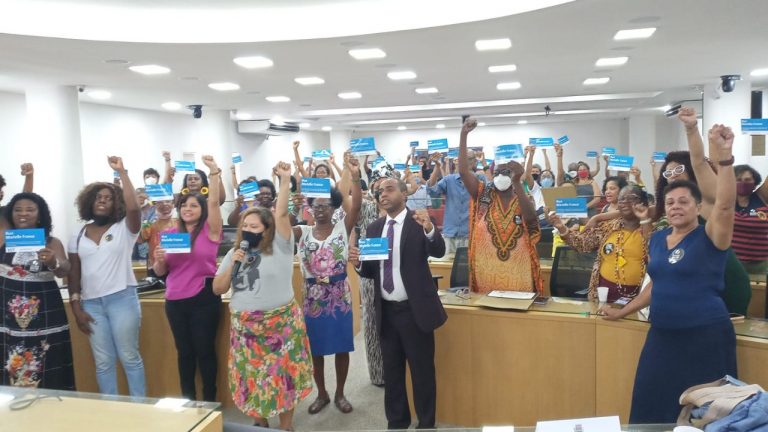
(508, 152)
(183, 166)
(453, 153)
(159, 192)
(414, 143)
(571, 207)
(437, 145)
(541, 142)
(321, 154)
(414, 168)
(236, 158)
(754, 126)
(24, 240)
(176, 242)
(316, 187)
(399, 167)
(591, 154)
(563, 140)
(374, 248)
(621, 163)
(362, 146)
(609, 150)
(250, 189)
(659, 156)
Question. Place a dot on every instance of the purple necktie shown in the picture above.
(389, 284)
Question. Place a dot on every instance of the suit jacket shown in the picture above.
(415, 248)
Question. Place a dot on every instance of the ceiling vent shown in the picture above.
(265, 127)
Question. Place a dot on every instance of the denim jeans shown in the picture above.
(115, 335)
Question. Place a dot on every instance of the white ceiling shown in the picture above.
(554, 49)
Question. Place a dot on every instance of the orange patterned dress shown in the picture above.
(502, 248)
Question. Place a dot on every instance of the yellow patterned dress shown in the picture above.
(502, 247)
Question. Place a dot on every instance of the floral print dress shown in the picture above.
(327, 298)
(34, 333)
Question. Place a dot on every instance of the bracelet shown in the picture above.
(55, 266)
(645, 221)
(215, 173)
(167, 160)
(74, 297)
(727, 162)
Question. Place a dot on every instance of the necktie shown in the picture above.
(388, 283)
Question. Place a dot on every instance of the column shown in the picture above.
(53, 146)
(729, 109)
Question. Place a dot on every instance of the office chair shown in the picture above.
(460, 268)
(571, 271)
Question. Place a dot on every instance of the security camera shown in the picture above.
(729, 82)
(547, 111)
(197, 110)
(81, 88)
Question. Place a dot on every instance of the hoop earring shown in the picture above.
(204, 190)
(185, 191)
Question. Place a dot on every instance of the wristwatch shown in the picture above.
(74, 297)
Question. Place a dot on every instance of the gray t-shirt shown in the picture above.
(264, 281)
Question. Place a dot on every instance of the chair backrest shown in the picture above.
(460, 268)
(571, 271)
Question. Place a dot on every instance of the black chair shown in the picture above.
(571, 271)
(460, 268)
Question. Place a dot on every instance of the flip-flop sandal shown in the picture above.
(318, 405)
(343, 405)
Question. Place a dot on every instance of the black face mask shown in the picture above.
(536, 176)
(252, 238)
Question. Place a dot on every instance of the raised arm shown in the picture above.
(530, 151)
(705, 177)
(467, 175)
(170, 171)
(282, 219)
(222, 189)
(547, 165)
(720, 223)
(336, 166)
(595, 172)
(355, 198)
(526, 207)
(410, 182)
(132, 209)
(437, 173)
(298, 160)
(607, 158)
(654, 174)
(28, 171)
(345, 182)
(560, 170)
(215, 222)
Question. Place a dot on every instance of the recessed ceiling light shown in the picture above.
(426, 90)
(304, 125)
(401, 75)
(611, 61)
(327, 128)
(596, 81)
(641, 33)
(493, 44)
(440, 126)
(350, 95)
(481, 124)
(243, 116)
(277, 99)
(514, 85)
(367, 53)
(224, 86)
(150, 69)
(310, 80)
(253, 62)
(401, 128)
(171, 106)
(99, 94)
(521, 122)
(759, 72)
(502, 68)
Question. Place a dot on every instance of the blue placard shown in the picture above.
(508, 152)
(362, 146)
(571, 207)
(414, 143)
(183, 166)
(24, 240)
(236, 158)
(378, 161)
(399, 167)
(414, 168)
(659, 156)
(116, 174)
(621, 163)
(453, 153)
(321, 154)
(609, 150)
(374, 248)
(437, 145)
(542, 142)
(591, 154)
(316, 187)
(249, 189)
(175, 242)
(563, 140)
(159, 192)
(754, 126)
(307, 159)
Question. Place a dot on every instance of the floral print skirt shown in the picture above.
(270, 370)
(328, 314)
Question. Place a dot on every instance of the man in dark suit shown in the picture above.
(407, 306)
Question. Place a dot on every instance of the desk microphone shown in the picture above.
(243, 247)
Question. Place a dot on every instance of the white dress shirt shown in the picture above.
(398, 294)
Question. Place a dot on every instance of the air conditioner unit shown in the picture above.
(265, 127)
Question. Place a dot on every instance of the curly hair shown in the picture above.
(44, 219)
(621, 182)
(87, 197)
(203, 179)
(2, 182)
(337, 199)
(681, 158)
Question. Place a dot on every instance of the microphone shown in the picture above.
(243, 247)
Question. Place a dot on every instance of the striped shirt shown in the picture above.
(750, 230)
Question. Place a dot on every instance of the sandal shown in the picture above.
(343, 405)
(261, 423)
(318, 405)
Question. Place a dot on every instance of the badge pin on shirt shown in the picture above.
(676, 256)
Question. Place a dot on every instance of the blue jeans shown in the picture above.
(115, 335)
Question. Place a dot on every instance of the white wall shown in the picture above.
(12, 117)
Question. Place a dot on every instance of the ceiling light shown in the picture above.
(426, 90)
(278, 99)
(99, 94)
(401, 75)
(401, 128)
(367, 53)
(642, 33)
(327, 128)
(224, 86)
(243, 116)
(440, 126)
(350, 95)
(502, 68)
(150, 69)
(253, 62)
(596, 81)
(514, 85)
(522, 122)
(310, 80)
(481, 124)
(171, 106)
(304, 125)
(759, 72)
(493, 44)
(611, 61)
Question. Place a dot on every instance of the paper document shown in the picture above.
(596, 424)
(516, 295)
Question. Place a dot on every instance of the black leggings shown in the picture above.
(194, 322)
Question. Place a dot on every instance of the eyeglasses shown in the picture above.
(503, 171)
(321, 206)
(673, 172)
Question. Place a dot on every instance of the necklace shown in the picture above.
(621, 261)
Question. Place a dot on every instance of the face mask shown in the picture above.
(252, 238)
(547, 182)
(744, 188)
(573, 174)
(150, 181)
(502, 182)
(536, 177)
(583, 174)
